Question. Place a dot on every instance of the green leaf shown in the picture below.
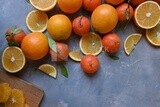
(114, 57)
(28, 1)
(52, 44)
(64, 71)
(15, 30)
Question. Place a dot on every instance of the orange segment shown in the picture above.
(91, 44)
(5, 92)
(43, 5)
(37, 21)
(153, 35)
(13, 59)
(147, 14)
(130, 42)
(75, 55)
(16, 99)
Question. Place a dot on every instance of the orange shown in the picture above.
(5, 92)
(90, 5)
(61, 53)
(75, 55)
(147, 14)
(35, 45)
(90, 64)
(104, 18)
(70, 6)
(114, 2)
(136, 2)
(13, 59)
(125, 12)
(37, 21)
(43, 5)
(59, 27)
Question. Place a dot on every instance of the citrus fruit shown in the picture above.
(111, 43)
(37, 21)
(91, 44)
(90, 5)
(62, 52)
(13, 59)
(81, 25)
(16, 99)
(48, 69)
(5, 92)
(35, 45)
(75, 55)
(153, 35)
(104, 18)
(136, 2)
(130, 42)
(70, 6)
(147, 14)
(114, 2)
(125, 12)
(59, 27)
(43, 5)
(90, 64)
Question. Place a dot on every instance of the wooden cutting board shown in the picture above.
(33, 94)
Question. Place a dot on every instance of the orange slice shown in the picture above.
(153, 35)
(43, 5)
(16, 99)
(48, 69)
(130, 42)
(37, 21)
(147, 14)
(13, 59)
(91, 43)
(5, 92)
(75, 55)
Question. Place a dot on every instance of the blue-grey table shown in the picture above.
(131, 81)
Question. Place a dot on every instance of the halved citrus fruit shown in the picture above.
(130, 42)
(37, 21)
(16, 99)
(43, 5)
(13, 59)
(75, 55)
(91, 43)
(147, 14)
(153, 35)
(48, 69)
(5, 92)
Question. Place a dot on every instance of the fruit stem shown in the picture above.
(80, 20)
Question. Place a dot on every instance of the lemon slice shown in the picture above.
(5, 92)
(153, 35)
(130, 42)
(16, 99)
(43, 5)
(147, 14)
(37, 21)
(91, 43)
(48, 69)
(75, 55)
(13, 59)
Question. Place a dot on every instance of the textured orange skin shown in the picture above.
(90, 5)
(111, 43)
(136, 2)
(90, 64)
(114, 2)
(35, 45)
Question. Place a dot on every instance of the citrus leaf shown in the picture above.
(64, 71)
(52, 44)
(114, 57)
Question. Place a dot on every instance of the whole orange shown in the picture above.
(69, 6)
(114, 2)
(35, 45)
(81, 25)
(62, 52)
(90, 5)
(136, 2)
(124, 12)
(90, 64)
(59, 27)
(104, 18)
(111, 43)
